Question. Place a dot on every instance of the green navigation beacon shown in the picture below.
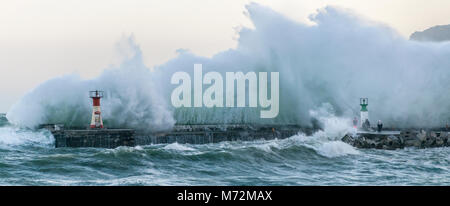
(364, 102)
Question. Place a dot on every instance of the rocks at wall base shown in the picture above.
(407, 138)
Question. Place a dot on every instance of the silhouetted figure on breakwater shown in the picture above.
(379, 125)
(366, 125)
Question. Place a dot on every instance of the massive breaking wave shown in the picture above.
(335, 61)
(132, 98)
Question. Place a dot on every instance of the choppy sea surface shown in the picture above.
(28, 157)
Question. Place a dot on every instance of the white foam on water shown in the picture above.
(325, 142)
(268, 146)
(14, 136)
(336, 149)
(178, 147)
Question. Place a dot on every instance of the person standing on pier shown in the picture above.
(366, 125)
(379, 125)
(355, 122)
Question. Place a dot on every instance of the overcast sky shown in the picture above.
(43, 39)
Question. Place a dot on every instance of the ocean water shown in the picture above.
(28, 157)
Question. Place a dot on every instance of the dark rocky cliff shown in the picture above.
(434, 34)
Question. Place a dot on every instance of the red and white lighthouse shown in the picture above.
(96, 121)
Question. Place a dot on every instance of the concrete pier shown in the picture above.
(107, 138)
(192, 134)
(203, 134)
(398, 139)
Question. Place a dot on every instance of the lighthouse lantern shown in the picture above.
(96, 121)
(364, 102)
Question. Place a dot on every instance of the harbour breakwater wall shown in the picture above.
(191, 134)
(108, 138)
(204, 134)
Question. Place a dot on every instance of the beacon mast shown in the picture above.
(96, 121)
